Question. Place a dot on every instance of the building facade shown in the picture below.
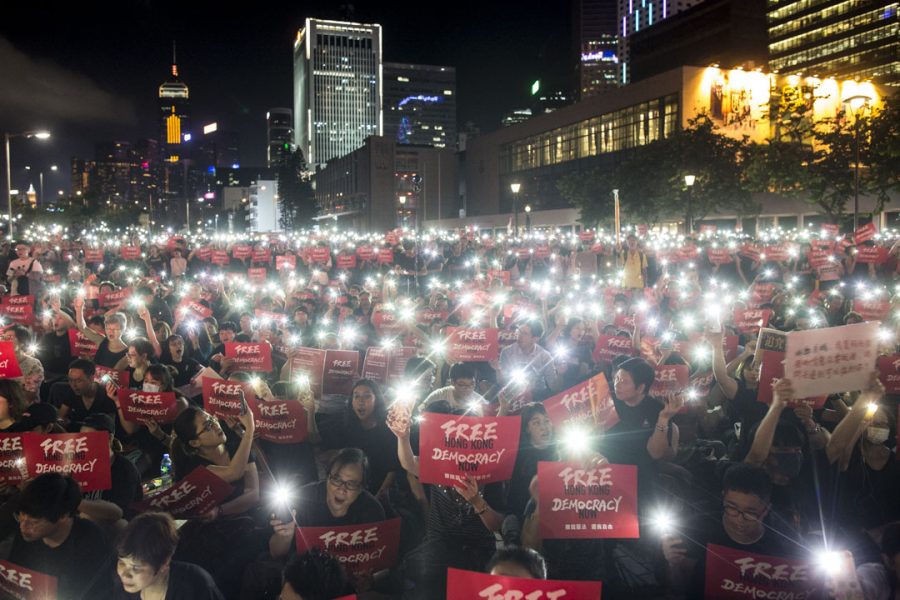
(835, 38)
(279, 135)
(174, 133)
(263, 209)
(337, 88)
(597, 51)
(420, 104)
(636, 15)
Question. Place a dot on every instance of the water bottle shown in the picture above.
(165, 470)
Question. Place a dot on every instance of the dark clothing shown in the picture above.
(232, 441)
(186, 582)
(61, 394)
(866, 498)
(518, 496)
(83, 564)
(107, 358)
(126, 485)
(55, 353)
(312, 511)
(378, 443)
(184, 370)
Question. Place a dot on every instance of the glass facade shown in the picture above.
(845, 38)
(420, 104)
(619, 130)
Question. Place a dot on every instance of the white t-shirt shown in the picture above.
(19, 267)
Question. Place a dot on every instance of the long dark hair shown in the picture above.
(185, 432)
(529, 411)
(380, 406)
(15, 398)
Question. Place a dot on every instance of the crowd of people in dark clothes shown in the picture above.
(721, 461)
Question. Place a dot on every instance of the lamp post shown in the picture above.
(41, 135)
(689, 219)
(515, 187)
(860, 101)
(528, 219)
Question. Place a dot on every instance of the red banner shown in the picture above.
(864, 233)
(369, 547)
(311, 363)
(222, 397)
(469, 585)
(82, 456)
(385, 256)
(877, 255)
(280, 421)
(285, 262)
(587, 503)
(365, 253)
(9, 364)
(341, 369)
(610, 346)
(319, 254)
(250, 356)
(719, 256)
(465, 345)
(114, 299)
(241, 251)
(452, 447)
(93, 256)
(261, 255)
(345, 261)
(187, 308)
(198, 493)
(889, 373)
(257, 275)
(670, 379)
(142, 406)
(22, 314)
(733, 574)
(872, 310)
(19, 583)
(831, 229)
(588, 401)
(751, 320)
(131, 252)
(12, 459)
(220, 257)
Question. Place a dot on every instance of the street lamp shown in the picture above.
(689, 219)
(41, 135)
(515, 187)
(857, 104)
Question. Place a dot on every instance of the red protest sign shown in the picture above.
(82, 456)
(257, 275)
(399, 357)
(708, 229)
(375, 365)
(93, 256)
(468, 344)
(241, 251)
(248, 356)
(198, 493)
(598, 502)
(189, 308)
(701, 383)
(9, 364)
(586, 236)
(285, 262)
(465, 585)
(222, 397)
(319, 254)
(876, 255)
(345, 261)
(589, 401)
(734, 574)
(864, 233)
(777, 253)
(261, 255)
(831, 229)
(889, 373)
(610, 346)
(131, 252)
(22, 314)
(104, 375)
(453, 447)
(24, 584)
(819, 258)
(751, 320)
(670, 379)
(341, 368)
(12, 459)
(385, 256)
(220, 257)
(365, 253)
(114, 299)
(503, 276)
(369, 547)
(142, 406)
(719, 256)
(280, 421)
(204, 253)
(872, 310)
(309, 362)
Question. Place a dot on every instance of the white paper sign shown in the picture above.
(831, 360)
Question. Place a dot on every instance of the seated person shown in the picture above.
(518, 561)
(146, 568)
(52, 539)
(313, 576)
(81, 396)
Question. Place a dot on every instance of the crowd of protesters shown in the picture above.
(718, 462)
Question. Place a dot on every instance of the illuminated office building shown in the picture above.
(174, 133)
(279, 135)
(840, 38)
(337, 88)
(420, 104)
(597, 47)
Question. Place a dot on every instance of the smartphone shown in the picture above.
(282, 512)
(244, 408)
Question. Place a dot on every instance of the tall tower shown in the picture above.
(420, 104)
(597, 47)
(174, 123)
(337, 88)
(279, 135)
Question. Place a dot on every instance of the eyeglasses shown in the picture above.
(350, 486)
(207, 425)
(734, 511)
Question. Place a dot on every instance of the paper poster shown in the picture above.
(368, 547)
(733, 574)
(469, 585)
(82, 456)
(589, 403)
(191, 497)
(250, 356)
(831, 360)
(142, 406)
(453, 447)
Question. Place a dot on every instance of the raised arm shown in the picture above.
(854, 423)
(238, 465)
(782, 392)
(727, 384)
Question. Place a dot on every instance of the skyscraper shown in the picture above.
(174, 105)
(597, 57)
(279, 135)
(635, 15)
(337, 88)
(835, 38)
(420, 104)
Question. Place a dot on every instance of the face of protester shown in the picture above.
(301, 318)
(137, 575)
(21, 251)
(540, 431)
(210, 328)
(209, 432)
(511, 569)
(135, 358)
(246, 324)
(226, 336)
(31, 383)
(525, 338)
(34, 528)
(176, 349)
(79, 382)
(462, 388)
(343, 488)
(577, 332)
(632, 243)
(363, 403)
(625, 389)
(784, 464)
(113, 330)
(751, 375)
(743, 516)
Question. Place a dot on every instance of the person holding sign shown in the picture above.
(81, 396)
(145, 567)
(52, 539)
(313, 575)
(111, 349)
(527, 357)
(517, 561)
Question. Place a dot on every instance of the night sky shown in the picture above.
(90, 71)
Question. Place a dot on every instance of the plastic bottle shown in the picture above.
(165, 470)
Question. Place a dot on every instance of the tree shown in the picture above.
(831, 174)
(780, 167)
(295, 193)
(882, 177)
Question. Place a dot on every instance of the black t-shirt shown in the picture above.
(312, 508)
(454, 521)
(865, 497)
(379, 444)
(61, 394)
(83, 564)
(186, 582)
(232, 441)
(126, 485)
(518, 496)
(185, 370)
(106, 357)
(55, 354)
